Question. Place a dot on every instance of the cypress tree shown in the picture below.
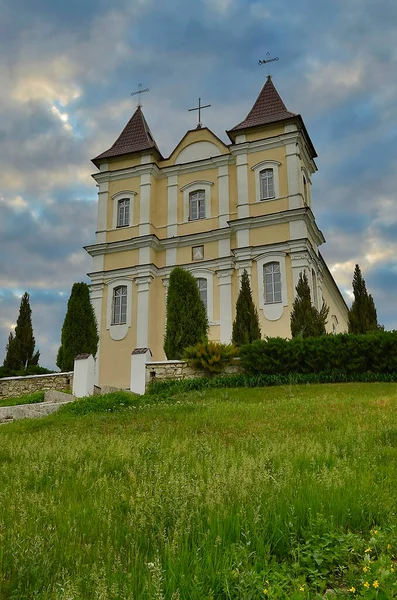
(246, 327)
(306, 320)
(79, 330)
(187, 322)
(20, 352)
(362, 315)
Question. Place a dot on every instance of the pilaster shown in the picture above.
(225, 299)
(223, 191)
(142, 325)
(103, 195)
(172, 187)
(294, 174)
(144, 206)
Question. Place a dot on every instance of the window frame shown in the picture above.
(121, 318)
(269, 184)
(118, 331)
(274, 281)
(127, 203)
(275, 310)
(123, 195)
(260, 168)
(197, 196)
(200, 280)
(195, 186)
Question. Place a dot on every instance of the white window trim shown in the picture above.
(273, 311)
(194, 186)
(209, 276)
(305, 174)
(126, 195)
(118, 332)
(266, 164)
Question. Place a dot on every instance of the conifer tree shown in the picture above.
(20, 352)
(362, 315)
(79, 330)
(306, 320)
(246, 327)
(187, 322)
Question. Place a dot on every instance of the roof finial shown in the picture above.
(139, 92)
(268, 60)
(199, 108)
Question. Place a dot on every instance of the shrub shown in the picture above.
(168, 388)
(362, 315)
(374, 352)
(79, 330)
(187, 322)
(306, 320)
(210, 356)
(246, 327)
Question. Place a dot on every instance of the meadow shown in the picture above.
(284, 492)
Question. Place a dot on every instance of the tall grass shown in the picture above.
(214, 494)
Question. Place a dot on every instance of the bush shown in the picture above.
(187, 322)
(165, 389)
(374, 352)
(32, 370)
(210, 356)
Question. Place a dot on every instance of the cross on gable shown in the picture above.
(199, 108)
(139, 92)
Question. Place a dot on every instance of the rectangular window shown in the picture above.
(272, 282)
(197, 205)
(202, 286)
(123, 213)
(119, 305)
(267, 184)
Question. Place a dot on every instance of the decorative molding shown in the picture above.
(192, 187)
(266, 164)
(273, 311)
(128, 195)
(118, 332)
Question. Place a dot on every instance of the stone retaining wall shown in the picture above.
(178, 369)
(12, 387)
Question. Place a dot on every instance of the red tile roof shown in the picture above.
(135, 137)
(268, 108)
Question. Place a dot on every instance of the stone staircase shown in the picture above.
(53, 401)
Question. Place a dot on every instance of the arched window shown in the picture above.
(272, 282)
(267, 184)
(315, 293)
(119, 312)
(202, 287)
(123, 212)
(197, 205)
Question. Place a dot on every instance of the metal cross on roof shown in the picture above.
(268, 60)
(139, 92)
(199, 108)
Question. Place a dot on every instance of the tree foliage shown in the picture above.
(306, 320)
(187, 322)
(79, 330)
(20, 350)
(246, 327)
(362, 315)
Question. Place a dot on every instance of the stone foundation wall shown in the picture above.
(12, 387)
(178, 369)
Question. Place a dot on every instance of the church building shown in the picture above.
(215, 209)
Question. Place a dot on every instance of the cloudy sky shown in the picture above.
(67, 68)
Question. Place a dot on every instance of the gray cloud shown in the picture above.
(70, 68)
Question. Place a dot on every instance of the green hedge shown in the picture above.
(345, 353)
(175, 386)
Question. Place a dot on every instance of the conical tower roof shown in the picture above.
(135, 137)
(268, 108)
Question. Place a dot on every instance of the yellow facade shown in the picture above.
(241, 228)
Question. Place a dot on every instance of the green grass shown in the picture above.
(26, 399)
(216, 494)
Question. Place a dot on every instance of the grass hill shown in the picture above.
(286, 492)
